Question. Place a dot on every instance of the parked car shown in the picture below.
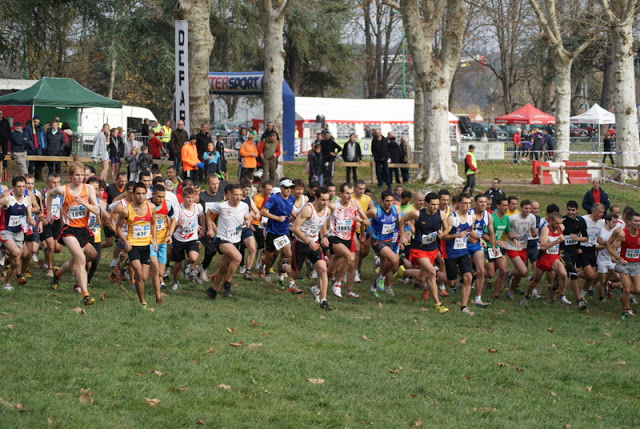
(576, 131)
(480, 128)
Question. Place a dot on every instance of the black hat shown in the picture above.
(471, 146)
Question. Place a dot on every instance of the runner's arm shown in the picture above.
(613, 243)
(365, 219)
(154, 233)
(304, 214)
(403, 221)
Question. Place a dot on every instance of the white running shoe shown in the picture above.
(242, 270)
(2, 259)
(376, 261)
(356, 278)
(187, 272)
(337, 290)
(314, 274)
(564, 301)
(352, 294)
(45, 266)
(174, 285)
(7, 286)
(204, 275)
(315, 292)
(113, 263)
(34, 258)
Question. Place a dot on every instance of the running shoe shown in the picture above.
(630, 312)
(564, 300)
(373, 291)
(294, 290)
(582, 304)
(7, 286)
(465, 310)
(315, 293)
(50, 272)
(197, 279)
(247, 276)
(326, 306)
(390, 291)
(352, 294)
(76, 289)
(87, 300)
(607, 288)
(489, 283)
(143, 305)
(281, 284)
(174, 285)
(376, 261)
(314, 274)
(226, 290)
(163, 285)
(167, 272)
(242, 270)
(590, 292)
(509, 294)
(55, 280)
(399, 273)
(21, 279)
(380, 284)
(440, 308)
(204, 275)
(603, 299)
(114, 278)
(452, 290)
(337, 290)
(356, 278)
(425, 294)
(113, 263)
(124, 261)
(28, 274)
(633, 300)
(212, 293)
(479, 303)
(524, 302)
(443, 293)
(34, 258)
(158, 300)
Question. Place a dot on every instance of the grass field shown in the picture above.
(247, 361)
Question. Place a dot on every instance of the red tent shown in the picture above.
(528, 115)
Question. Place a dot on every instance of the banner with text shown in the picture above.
(182, 73)
(246, 83)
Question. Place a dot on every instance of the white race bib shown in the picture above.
(281, 241)
(188, 229)
(17, 220)
(593, 240)
(570, 242)
(55, 210)
(343, 225)
(141, 231)
(235, 233)
(632, 254)
(77, 212)
(429, 238)
(460, 243)
(388, 228)
(160, 224)
(494, 253)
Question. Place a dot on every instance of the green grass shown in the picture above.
(552, 366)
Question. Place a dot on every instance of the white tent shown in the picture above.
(595, 115)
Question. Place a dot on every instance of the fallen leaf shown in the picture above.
(118, 345)
(550, 330)
(553, 394)
(379, 305)
(553, 345)
(19, 406)
(55, 308)
(4, 313)
(590, 342)
(493, 351)
(153, 310)
(415, 320)
(232, 331)
(9, 326)
(254, 323)
(322, 317)
(238, 344)
(502, 364)
(519, 369)
(463, 341)
(155, 372)
(364, 337)
(200, 422)
(424, 309)
(255, 345)
(606, 334)
(178, 389)
(162, 295)
(86, 396)
(194, 360)
(622, 362)
(152, 402)
(103, 296)
(80, 310)
(567, 426)
(124, 289)
(315, 380)
(395, 371)
(468, 377)
(224, 386)
(138, 374)
(211, 350)
(589, 388)
(55, 301)
(417, 423)
(412, 299)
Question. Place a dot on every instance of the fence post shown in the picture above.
(561, 174)
(373, 171)
(638, 168)
(602, 174)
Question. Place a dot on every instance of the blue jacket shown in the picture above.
(41, 140)
(20, 142)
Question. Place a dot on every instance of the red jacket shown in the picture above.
(154, 147)
(517, 139)
(261, 149)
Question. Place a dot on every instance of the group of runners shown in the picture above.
(280, 233)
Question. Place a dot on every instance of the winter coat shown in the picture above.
(20, 141)
(395, 152)
(132, 162)
(145, 161)
(55, 142)
(380, 149)
(100, 151)
(316, 164)
(357, 152)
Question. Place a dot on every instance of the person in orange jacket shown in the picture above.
(190, 161)
(249, 153)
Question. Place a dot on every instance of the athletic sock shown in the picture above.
(83, 294)
(478, 298)
(292, 283)
(582, 294)
(441, 287)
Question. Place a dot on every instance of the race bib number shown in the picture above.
(93, 223)
(160, 224)
(570, 242)
(281, 241)
(55, 211)
(632, 254)
(17, 220)
(460, 243)
(188, 229)
(592, 241)
(429, 238)
(77, 212)
(388, 228)
(141, 231)
(235, 233)
(553, 250)
(523, 240)
(494, 253)
(344, 225)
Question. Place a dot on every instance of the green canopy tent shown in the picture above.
(61, 97)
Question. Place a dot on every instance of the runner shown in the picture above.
(428, 223)
(455, 251)
(495, 256)
(575, 231)
(278, 210)
(165, 220)
(384, 241)
(51, 229)
(114, 190)
(32, 233)
(482, 225)
(513, 206)
(258, 226)
(551, 235)
(248, 240)
(207, 199)
(308, 228)
(141, 232)
(587, 258)
(628, 260)
(115, 208)
(522, 224)
(78, 200)
(606, 267)
(233, 216)
(16, 216)
(345, 214)
(185, 232)
(95, 225)
(363, 234)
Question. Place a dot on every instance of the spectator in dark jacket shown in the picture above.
(39, 144)
(203, 138)
(380, 151)
(607, 148)
(20, 143)
(330, 149)
(395, 153)
(5, 133)
(316, 164)
(407, 158)
(178, 138)
(595, 195)
(351, 152)
(495, 194)
(55, 145)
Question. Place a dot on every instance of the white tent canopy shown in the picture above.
(595, 115)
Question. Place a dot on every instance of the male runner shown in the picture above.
(207, 199)
(628, 260)
(363, 234)
(606, 267)
(384, 241)
(51, 230)
(257, 224)
(31, 233)
(114, 190)
(95, 225)
(165, 220)
(522, 224)
(575, 231)
(587, 259)
(482, 225)
(248, 240)
(495, 255)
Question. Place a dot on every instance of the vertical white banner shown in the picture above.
(182, 73)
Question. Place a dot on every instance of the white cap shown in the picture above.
(287, 183)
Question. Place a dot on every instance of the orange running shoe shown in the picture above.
(425, 294)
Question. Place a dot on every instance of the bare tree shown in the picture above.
(620, 15)
(434, 30)
(553, 21)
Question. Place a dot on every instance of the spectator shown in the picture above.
(352, 152)
(145, 160)
(495, 194)
(131, 143)
(5, 134)
(268, 130)
(165, 133)
(100, 152)
(203, 139)
(190, 158)
(395, 153)
(132, 164)
(407, 158)
(607, 148)
(595, 195)
(367, 132)
(269, 151)
(156, 148)
(397, 193)
(144, 130)
(20, 143)
(211, 160)
(70, 137)
(223, 159)
(380, 151)
(55, 145)
(116, 153)
(37, 135)
(548, 141)
(330, 149)
(470, 169)
(517, 145)
(248, 154)
(316, 164)
(536, 146)
(493, 133)
(178, 138)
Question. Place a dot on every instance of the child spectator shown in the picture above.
(145, 160)
(132, 164)
(211, 160)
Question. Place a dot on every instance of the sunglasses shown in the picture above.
(288, 187)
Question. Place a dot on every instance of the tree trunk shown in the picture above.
(418, 119)
(112, 75)
(624, 93)
(273, 25)
(607, 77)
(200, 46)
(563, 107)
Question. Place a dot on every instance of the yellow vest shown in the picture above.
(166, 134)
(473, 162)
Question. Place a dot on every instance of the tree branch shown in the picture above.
(392, 4)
